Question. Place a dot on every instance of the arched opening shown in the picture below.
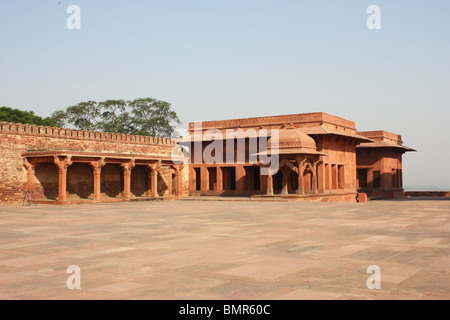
(163, 186)
(307, 180)
(111, 180)
(277, 182)
(47, 181)
(139, 181)
(173, 183)
(80, 181)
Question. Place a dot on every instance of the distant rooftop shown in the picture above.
(383, 139)
(298, 120)
(381, 135)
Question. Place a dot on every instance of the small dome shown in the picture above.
(290, 138)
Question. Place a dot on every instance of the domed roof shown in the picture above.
(290, 140)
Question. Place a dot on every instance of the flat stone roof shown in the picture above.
(301, 118)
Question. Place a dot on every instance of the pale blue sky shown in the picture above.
(222, 59)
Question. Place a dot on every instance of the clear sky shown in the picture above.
(219, 59)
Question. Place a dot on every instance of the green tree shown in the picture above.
(84, 116)
(60, 118)
(145, 116)
(114, 116)
(153, 117)
(26, 117)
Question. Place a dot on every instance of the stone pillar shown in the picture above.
(262, 181)
(178, 181)
(321, 177)
(314, 178)
(400, 178)
(240, 177)
(284, 174)
(62, 176)
(270, 183)
(127, 167)
(335, 176)
(169, 183)
(153, 180)
(31, 170)
(301, 169)
(97, 170)
(219, 179)
(204, 181)
(148, 171)
(192, 179)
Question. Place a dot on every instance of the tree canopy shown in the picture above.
(144, 116)
(26, 117)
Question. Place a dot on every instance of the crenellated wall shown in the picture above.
(62, 133)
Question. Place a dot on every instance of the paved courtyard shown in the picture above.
(226, 250)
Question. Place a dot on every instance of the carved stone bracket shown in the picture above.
(127, 166)
(28, 165)
(98, 165)
(62, 164)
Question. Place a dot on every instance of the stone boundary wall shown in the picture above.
(27, 129)
(426, 193)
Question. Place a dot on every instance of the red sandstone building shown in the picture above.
(379, 164)
(64, 165)
(321, 157)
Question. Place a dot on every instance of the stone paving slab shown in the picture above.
(226, 250)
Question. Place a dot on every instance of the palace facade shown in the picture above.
(320, 157)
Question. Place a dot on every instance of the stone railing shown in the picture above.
(427, 193)
(35, 130)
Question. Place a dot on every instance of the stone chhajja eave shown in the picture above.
(322, 130)
(109, 157)
(384, 144)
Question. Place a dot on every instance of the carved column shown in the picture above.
(314, 178)
(301, 169)
(62, 176)
(263, 181)
(335, 175)
(192, 179)
(169, 183)
(204, 181)
(321, 177)
(31, 170)
(97, 171)
(127, 167)
(154, 178)
(219, 178)
(270, 183)
(148, 171)
(178, 180)
(240, 177)
(284, 174)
